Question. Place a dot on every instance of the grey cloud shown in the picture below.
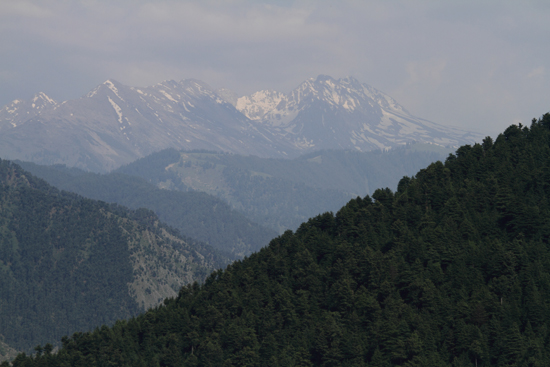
(465, 64)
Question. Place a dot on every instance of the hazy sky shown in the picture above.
(474, 64)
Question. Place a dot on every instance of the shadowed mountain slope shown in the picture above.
(282, 193)
(195, 214)
(68, 263)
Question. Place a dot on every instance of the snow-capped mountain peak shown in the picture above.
(261, 104)
(273, 107)
(342, 114)
(115, 124)
(19, 111)
(111, 85)
(41, 99)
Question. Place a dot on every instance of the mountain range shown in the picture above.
(115, 124)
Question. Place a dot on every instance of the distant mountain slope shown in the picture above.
(69, 263)
(282, 193)
(20, 111)
(451, 270)
(325, 113)
(115, 124)
(195, 214)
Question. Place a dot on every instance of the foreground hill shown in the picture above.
(453, 269)
(69, 263)
(116, 124)
(195, 214)
(283, 193)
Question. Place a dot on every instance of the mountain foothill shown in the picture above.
(68, 263)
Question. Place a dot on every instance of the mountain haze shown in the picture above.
(325, 113)
(218, 198)
(283, 193)
(115, 124)
(195, 214)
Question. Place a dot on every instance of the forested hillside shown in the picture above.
(452, 269)
(195, 214)
(283, 193)
(69, 263)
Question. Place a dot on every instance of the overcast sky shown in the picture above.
(474, 64)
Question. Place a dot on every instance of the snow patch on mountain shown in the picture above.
(117, 109)
(113, 88)
(320, 113)
(356, 115)
(261, 104)
(19, 111)
(41, 96)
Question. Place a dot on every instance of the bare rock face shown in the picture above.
(115, 124)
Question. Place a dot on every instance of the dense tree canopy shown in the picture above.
(195, 214)
(452, 269)
(68, 263)
(283, 193)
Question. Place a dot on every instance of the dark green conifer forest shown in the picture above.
(452, 269)
(195, 214)
(68, 263)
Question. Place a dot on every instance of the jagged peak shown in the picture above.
(112, 84)
(347, 93)
(44, 97)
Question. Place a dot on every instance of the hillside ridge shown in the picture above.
(68, 263)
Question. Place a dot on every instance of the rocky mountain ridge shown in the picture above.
(366, 118)
(115, 124)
